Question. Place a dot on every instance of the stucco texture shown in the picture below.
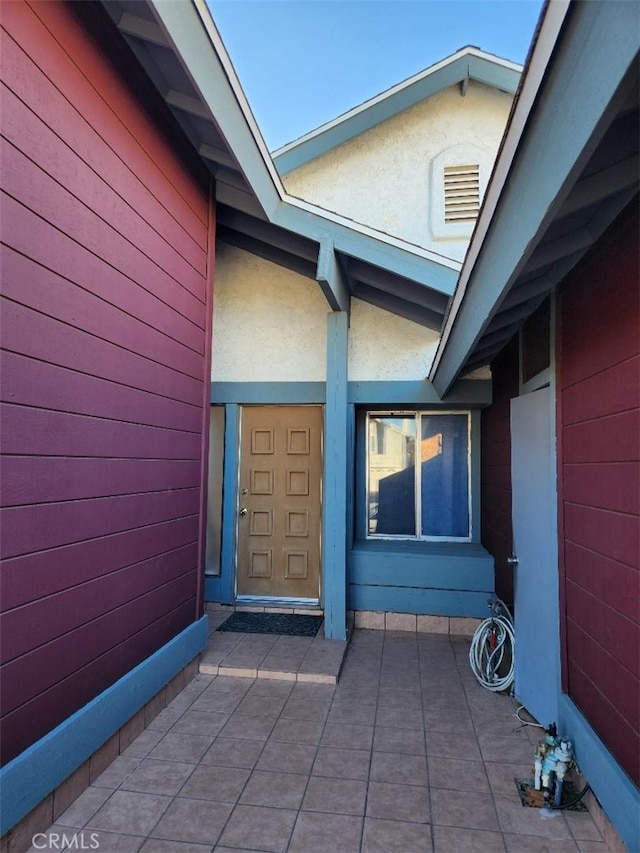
(384, 347)
(381, 178)
(270, 324)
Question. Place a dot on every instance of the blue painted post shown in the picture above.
(334, 516)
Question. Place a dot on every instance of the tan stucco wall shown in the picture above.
(382, 177)
(384, 347)
(269, 324)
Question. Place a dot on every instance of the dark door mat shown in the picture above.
(535, 799)
(291, 624)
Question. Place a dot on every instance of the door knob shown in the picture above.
(244, 510)
(513, 561)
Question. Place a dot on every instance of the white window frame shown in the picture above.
(417, 414)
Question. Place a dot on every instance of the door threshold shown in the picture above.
(245, 602)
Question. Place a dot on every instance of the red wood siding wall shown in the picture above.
(599, 475)
(104, 373)
(497, 535)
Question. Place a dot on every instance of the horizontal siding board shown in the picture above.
(615, 633)
(40, 622)
(609, 439)
(56, 297)
(616, 732)
(29, 333)
(614, 584)
(89, 82)
(33, 383)
(612, 486)
(611, 534)
(33, 528)
(46, 479)
(23, 180)
(620, 686)
(41, 432)
(30, 235)
(609, 392)
(42, 99)
(36, 142)
(42, 667)
(31, 577)
(46, 710)
(434, 602)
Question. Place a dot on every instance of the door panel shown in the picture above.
(536, 622)
(280, 502)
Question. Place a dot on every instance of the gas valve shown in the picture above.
(553, 757)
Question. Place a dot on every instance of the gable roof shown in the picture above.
(567, 168)
(468, 63)
(180, 50)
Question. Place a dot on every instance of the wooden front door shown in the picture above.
(279, 511)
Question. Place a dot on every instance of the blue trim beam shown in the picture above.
(334, 512)
(266, 393)
(37, 771)
(331, 279)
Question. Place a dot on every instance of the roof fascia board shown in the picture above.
(412, 262)
(463, 65)
(190, 30)
(331, 278)
(589, 65)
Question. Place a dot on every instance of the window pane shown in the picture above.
(444, 473)
(391, 499)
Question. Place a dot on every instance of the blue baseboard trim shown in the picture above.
(37, 771)
(614, 790)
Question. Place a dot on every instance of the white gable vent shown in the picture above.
(461, 193)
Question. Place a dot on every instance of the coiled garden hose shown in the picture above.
(493, 640)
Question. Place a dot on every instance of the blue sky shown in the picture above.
(303, 62)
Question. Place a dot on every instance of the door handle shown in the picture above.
(513, 560)
(244, 510)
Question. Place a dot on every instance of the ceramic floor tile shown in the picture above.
(297, 731)
(517, 819)
(458, 775)
(352, 714)
(210, 782)
(260, 706)
(455, 840)
(280, 790)
(181, 747)
(398, 768)
(233, 752)
(260, 828)
(448, 745)
(248, 728)
(349, 737)
(117, 772)
(342, 763)
(464, 809)
(535, 844)
(306, 709)
(130, 813)
(336, 796)
(394, 836)
(400, 718)
(582, 826)
(159, 845)
(207, 723)
(84, 808)
(398, 740)
(199, 821)
(287, 757)
(158, 777)
(357, 695)
(216, 702)
(326, 833)
(410, 699)
(398, 802)
(143, 744)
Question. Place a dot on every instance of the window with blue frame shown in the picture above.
(418, 475)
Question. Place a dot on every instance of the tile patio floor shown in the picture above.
(406, 754)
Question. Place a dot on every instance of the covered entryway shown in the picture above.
(279, 503)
